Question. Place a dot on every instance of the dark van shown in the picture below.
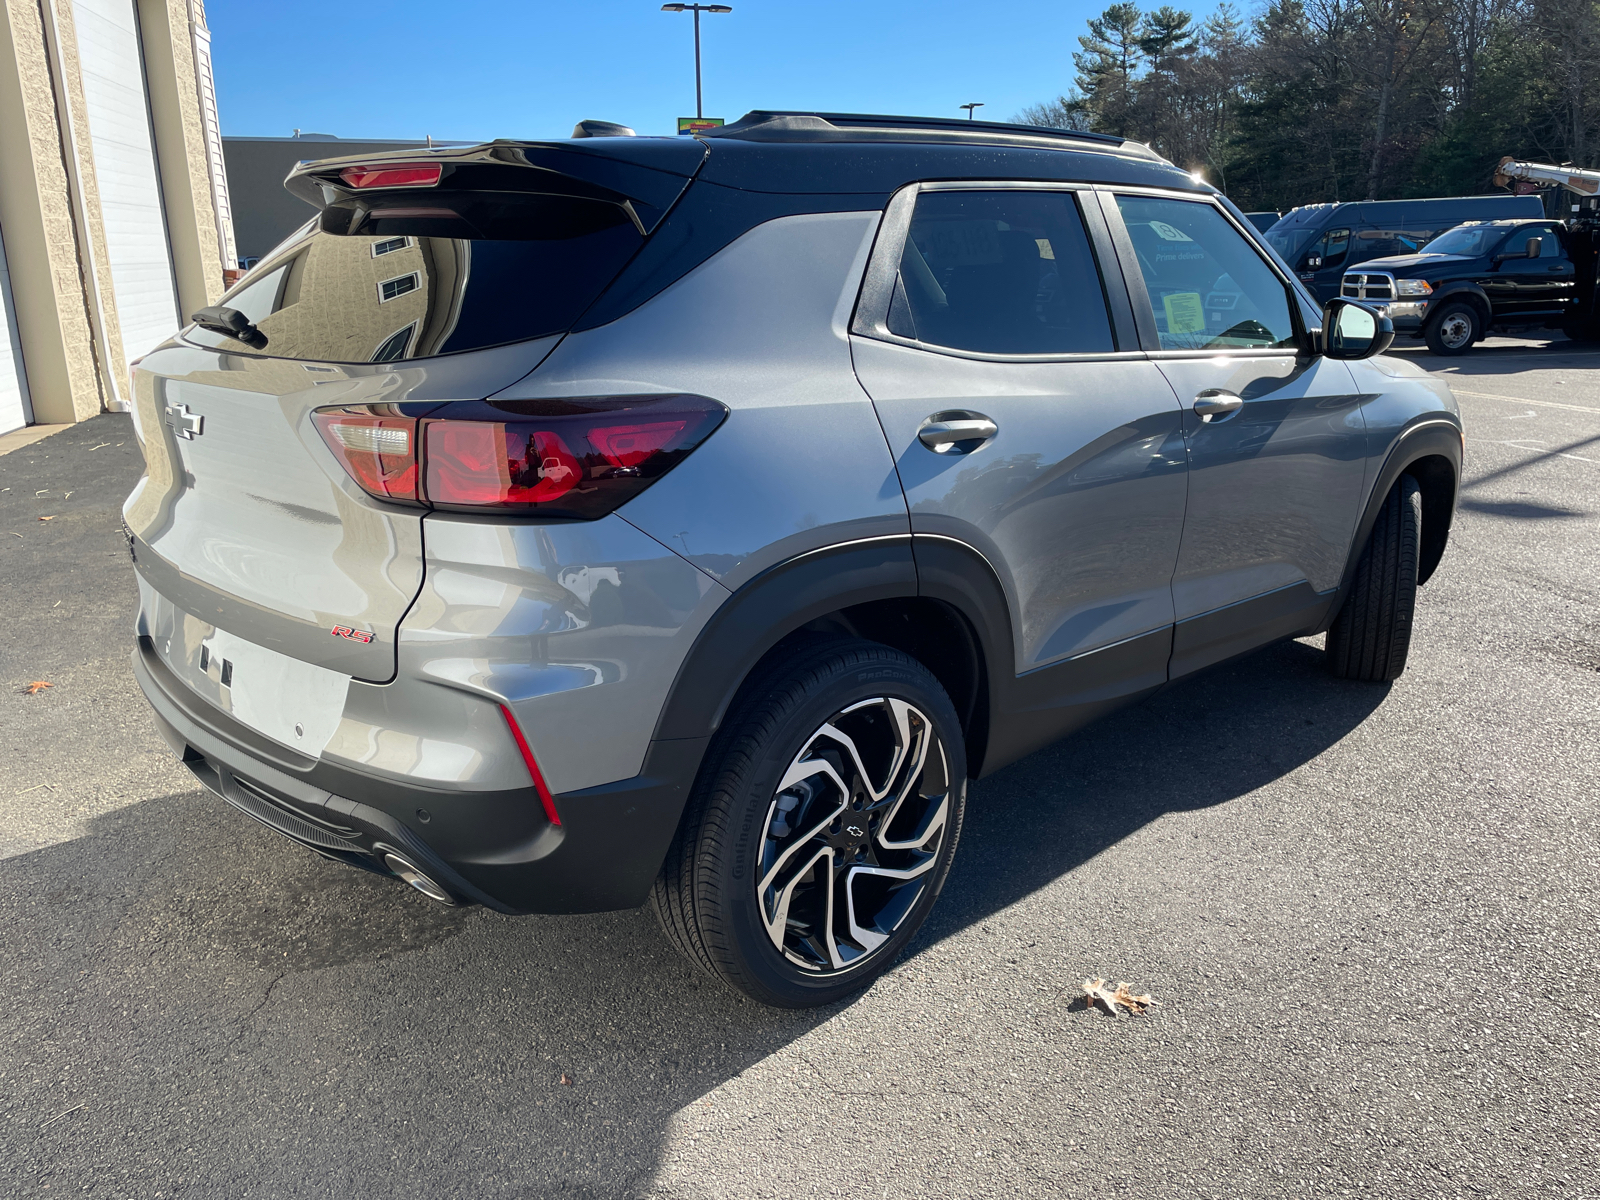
(1322, 241)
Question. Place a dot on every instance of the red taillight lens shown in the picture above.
(569, 459)
(378, 449)
(394, 175)
(487, 463)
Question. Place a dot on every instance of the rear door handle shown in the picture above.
(956, 432)
(1215, 404)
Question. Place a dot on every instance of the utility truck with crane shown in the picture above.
(1502, 276)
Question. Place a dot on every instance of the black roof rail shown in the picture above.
(762, 125)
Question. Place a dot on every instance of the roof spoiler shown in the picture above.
(580, 170)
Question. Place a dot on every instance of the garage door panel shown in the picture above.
(125, 169)
(14, 411)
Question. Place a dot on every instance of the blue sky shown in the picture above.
(478, 69)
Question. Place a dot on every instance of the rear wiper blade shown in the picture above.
(230, 322)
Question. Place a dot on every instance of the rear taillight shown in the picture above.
(377, 447)
(567, 459)
(392, 175)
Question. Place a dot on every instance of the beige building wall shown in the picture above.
(51, 211)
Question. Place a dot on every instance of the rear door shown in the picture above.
(999, 321)
(1276, 438)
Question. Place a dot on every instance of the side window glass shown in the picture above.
(1006, 272)
(1209, 288)
(1517, 243)
(1335, 244)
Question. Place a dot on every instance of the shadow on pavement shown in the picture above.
(238, 1017)
(1519, 510)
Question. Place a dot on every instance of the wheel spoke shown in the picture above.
(931, 825)
(800, 843)
(778, 923)
(912, 779)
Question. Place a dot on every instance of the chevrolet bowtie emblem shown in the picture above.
(185, 423)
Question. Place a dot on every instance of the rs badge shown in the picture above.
(354, 635)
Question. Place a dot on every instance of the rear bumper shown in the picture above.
(491, 848)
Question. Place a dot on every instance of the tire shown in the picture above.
(745, 889)
(1371, 636)
(1585, 332)
(1455, 329)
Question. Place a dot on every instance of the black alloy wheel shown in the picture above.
(823, 827)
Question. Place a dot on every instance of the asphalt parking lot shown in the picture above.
(1369, 913)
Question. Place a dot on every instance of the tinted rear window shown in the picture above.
(419, 280)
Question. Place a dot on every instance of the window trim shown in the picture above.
(871, 315)
(416, 276)
(405, 239)
(1305, 333)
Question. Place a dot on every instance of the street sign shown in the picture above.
(689, 126)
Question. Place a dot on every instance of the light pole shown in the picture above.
(970, 107)
(697, 9)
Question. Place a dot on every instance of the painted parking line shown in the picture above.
(1520, 400)
(1532, 447)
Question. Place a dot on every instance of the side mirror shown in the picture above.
(1535, 247)
(1351, 330)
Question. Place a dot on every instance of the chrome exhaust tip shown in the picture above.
(409, 872)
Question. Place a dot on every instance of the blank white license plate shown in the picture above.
(297, 704)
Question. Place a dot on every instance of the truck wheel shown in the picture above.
(822, 825)
(1454, 329)
(1583, 331)
(1371, 636)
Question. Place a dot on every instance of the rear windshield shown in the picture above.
(418, 280)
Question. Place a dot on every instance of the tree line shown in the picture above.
(1315, 100)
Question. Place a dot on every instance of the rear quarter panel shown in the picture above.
(801, 462)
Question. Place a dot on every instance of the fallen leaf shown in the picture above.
(37, 686)
(566, 1080)
(1098, 991)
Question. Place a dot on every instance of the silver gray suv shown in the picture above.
(560, 526)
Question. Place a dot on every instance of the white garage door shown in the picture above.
(14, 413)
(125, 166)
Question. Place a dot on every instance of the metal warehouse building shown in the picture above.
(114, 211)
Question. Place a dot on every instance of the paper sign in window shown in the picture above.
(1185, 314)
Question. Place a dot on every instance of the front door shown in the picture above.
(1519, 286)
(1022, 427)
(1276, 438)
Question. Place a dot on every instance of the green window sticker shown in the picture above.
(1185, 314)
